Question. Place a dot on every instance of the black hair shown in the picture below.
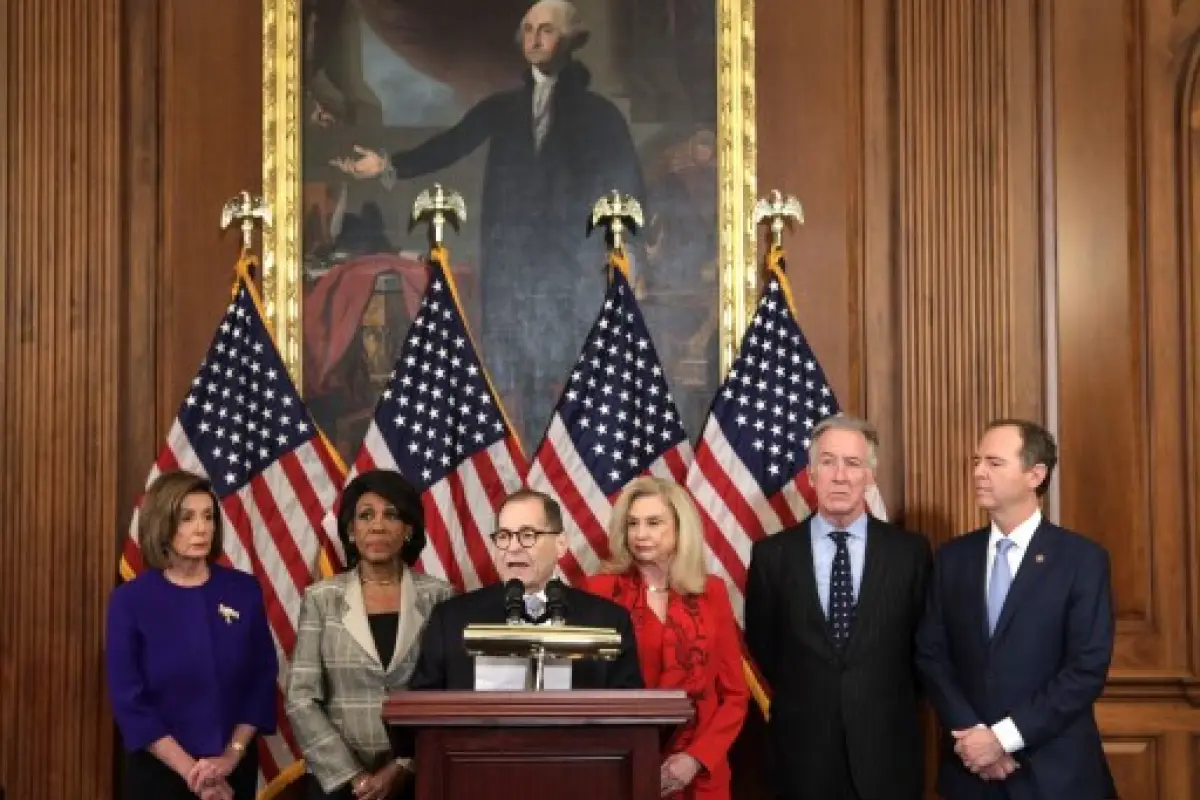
(1037, 447)
(393, 487)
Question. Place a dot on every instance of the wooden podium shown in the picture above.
(586, 745)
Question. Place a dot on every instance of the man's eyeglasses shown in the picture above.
(525, 537)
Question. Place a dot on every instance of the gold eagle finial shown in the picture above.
(245, 209)
(619, 213)
(440, 205)
(780, 211)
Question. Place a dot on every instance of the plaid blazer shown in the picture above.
(336, 683)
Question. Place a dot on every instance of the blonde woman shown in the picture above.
(686, 634)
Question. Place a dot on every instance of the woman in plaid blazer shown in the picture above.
(358, 640)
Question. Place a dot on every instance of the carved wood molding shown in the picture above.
(1153, 689)
(624, 707)
(1184, 28)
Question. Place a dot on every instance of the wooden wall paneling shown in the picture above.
(1151, 748)
(1186, 52)
(211, 148)
(1194, 762)
(1119, 314)
(62, 273)
(808, 145)
(968, 233)
(880, 367)
(140, 429)
(1134, 763)
(8, 477)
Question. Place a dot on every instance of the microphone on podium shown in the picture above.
(514, 601)
(556, 602)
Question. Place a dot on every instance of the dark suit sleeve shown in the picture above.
(625, 672)
(451, 145)
(1088, 634)
(920, 588)
(760, 613)
(430, 672)
(933, 657)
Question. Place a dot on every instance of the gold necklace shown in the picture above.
(377, 581)
(650, 588)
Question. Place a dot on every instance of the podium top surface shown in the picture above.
(654, 707)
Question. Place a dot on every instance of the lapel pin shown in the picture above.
(227, 613)
(1040, 558)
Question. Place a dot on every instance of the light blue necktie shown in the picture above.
(1001, 580)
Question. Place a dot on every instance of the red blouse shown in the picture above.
(697, 648)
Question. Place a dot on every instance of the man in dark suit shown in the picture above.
(554, 147)
(526, 545)
(1015, 645)
(832, 607)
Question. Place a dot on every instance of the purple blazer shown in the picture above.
(190, 662)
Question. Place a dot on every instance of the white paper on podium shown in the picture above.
(507, 674)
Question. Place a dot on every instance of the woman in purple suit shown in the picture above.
(191, 665)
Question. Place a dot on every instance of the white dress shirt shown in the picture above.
(1006, 730)
(543, 88)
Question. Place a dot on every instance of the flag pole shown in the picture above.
(247, 211)
(619, 214)
(438, 207)
(777, 212)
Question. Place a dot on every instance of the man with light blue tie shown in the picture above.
(832, 607)
(1016, 642)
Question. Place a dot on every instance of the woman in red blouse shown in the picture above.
(686, 635)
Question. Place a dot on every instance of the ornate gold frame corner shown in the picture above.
(736, 170)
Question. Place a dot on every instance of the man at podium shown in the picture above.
(526, 546)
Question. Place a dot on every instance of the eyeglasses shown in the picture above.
(525, 537)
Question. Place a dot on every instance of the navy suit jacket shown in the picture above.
(1044, 666)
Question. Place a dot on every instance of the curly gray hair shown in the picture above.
(566, 16)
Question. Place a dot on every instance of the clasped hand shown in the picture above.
(379, 785)
(676, 773)
(207, 777)
(982, 753)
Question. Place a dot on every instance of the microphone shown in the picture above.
(514, 601)
(556, 602)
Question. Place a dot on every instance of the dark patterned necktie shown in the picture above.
(841, 592)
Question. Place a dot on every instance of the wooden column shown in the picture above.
(60, 347)
(966, 238)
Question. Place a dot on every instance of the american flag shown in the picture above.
(440, 425)
(244, 427)
(749, 478)
(614, 421)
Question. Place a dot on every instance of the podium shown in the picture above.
(586, 745)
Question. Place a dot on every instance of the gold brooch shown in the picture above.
(227, 613)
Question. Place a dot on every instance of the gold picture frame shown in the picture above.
(736, 167)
